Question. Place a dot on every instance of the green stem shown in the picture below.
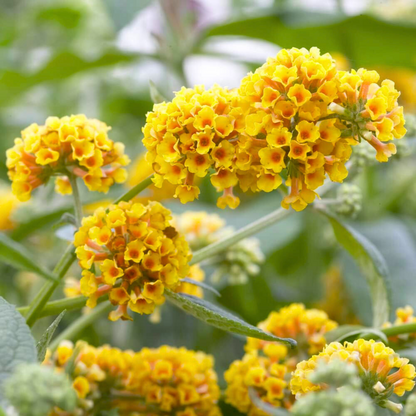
(135, 190)
(81, 323)
(244, 232)
(400, 329)
(57, 306)
(77, 199)
(38, 303)
(249, 230)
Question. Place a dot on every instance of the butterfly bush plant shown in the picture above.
(291, 128)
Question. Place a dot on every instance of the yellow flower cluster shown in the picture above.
(176, 381)
(73, 286)
(94, 372)
(264, 376)
(130, 252)
(297, 114)
(193, 134)
(152, 381)
(306, 326)
(66, 146)
(305, 116)
(382, 370)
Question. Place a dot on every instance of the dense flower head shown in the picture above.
(65, 146)
(195, 135)
(176, 381)
(264, 376)
(93, 371)
(383, 372)
(305, 115)
(306, 326)
(152, 381)
(130, 252)
(295, 119)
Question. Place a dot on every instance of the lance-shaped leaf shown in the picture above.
(201, 285)
(215, 316)
(17, 345)
(371, 264)
(45, 339)
(344, 332)
(316, 29)
(18, 256)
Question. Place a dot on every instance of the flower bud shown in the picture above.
(336, 373)
(345, 402)
(349, 200)
(34, 390)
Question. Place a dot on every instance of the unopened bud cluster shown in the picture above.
(349, 198)
(33, 390)
(344, 396)
(237, 263)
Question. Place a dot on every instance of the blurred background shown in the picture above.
(62, 57)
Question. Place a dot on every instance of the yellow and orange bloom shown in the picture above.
(268, 378)
(306, 326)
(130, 253)
(382, 371)
(65, 146)
(191, 135)
(172, 380)
(295, 107)
(302, 104)
(175, 380)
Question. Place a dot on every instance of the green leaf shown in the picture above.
(219, 318)
(60, 67)
(155, 94)
(18, 256)
(341, 332)
(354, 331)
(394, 240)
(38, 221)
(371, 264)
(266, 407)
(200, 284)
(364, 48)
(123, 12)
(68, 17)
(17, 345)
(44, 341)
